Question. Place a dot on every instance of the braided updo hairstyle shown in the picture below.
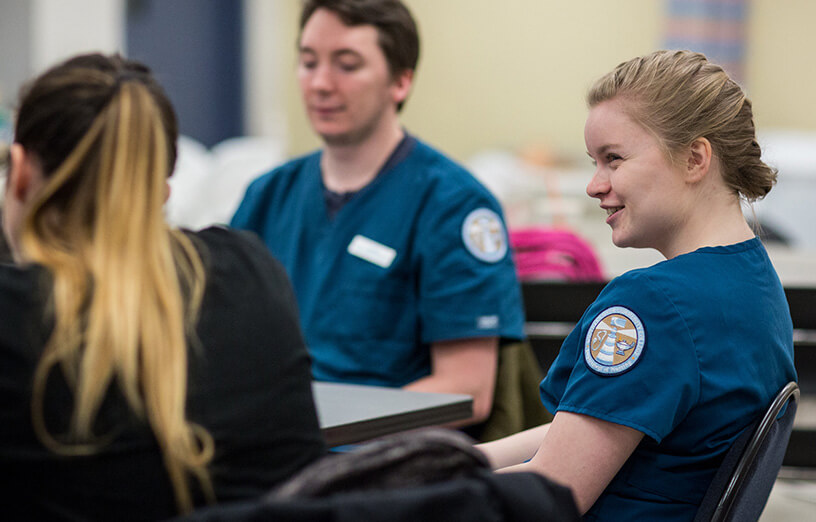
(680, 96)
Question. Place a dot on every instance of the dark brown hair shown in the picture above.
(52, 118)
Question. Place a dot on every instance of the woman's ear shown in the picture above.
(20, 171)
(698, 162)
(24, 180)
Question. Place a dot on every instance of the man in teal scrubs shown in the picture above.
(398, 256)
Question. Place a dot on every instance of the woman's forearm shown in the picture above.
(514, 449)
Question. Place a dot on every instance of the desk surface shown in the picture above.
(351, 413)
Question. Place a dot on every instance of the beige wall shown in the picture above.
(513, 73)
(781, 71)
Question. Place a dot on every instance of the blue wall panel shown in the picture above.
(195, 49)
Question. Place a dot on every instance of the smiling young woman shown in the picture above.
(671, 362)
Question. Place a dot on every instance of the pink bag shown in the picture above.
(547, 254)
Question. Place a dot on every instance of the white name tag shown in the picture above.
(371, 251)
(487, 322)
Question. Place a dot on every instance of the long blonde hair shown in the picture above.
(125, 288)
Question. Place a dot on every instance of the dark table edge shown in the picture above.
(366, 430)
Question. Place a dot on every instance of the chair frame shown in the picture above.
(748, 457)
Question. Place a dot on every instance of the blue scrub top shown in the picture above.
(419, 255)
(689, 351)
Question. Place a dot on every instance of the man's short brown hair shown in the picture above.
(397, 30)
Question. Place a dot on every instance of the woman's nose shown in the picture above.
(599, 183)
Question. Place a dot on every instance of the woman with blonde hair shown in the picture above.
(672, 362)
(145, 370)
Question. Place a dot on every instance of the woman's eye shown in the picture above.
(308, 64)
(611, 158)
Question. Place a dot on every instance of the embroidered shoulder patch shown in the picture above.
(614, 341)
(484, 236)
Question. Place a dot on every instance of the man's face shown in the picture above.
(347, 87)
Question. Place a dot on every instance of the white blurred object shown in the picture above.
(208, 185)
(789, 207)
(532, 194)
(503, 173)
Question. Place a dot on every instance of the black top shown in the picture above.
(249, 385)
(5, 252)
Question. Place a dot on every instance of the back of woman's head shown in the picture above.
(124, 287)
(91, 110)
(680, 96)
(58, 108)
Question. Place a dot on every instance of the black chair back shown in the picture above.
(552, 308)
(741, 486)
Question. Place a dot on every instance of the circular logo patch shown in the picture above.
(615, 341)
(483, 234)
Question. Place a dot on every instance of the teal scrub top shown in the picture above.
(689, 352)
(419, 255)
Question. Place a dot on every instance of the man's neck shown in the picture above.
(349, 168)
